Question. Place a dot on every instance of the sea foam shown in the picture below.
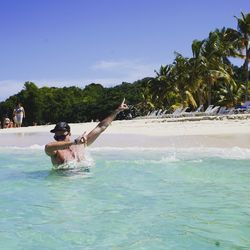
(165, 153)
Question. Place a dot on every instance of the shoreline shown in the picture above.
(145, 133)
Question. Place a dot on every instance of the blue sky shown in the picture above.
(77, 42)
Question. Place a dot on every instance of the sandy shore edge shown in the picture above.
(146, 132)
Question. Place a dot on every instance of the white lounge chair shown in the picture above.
(152, 114)
(161, 115)
(196, 112)
(149, 115)
(213, 111)
(158, 113)
(183, 112)
(199, 109)
(231, 111)
(209, 108)
(175, 113)
(222, 111)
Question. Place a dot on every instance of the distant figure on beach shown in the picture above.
(64, 149)
(6, 121)
(11, 124)
(18, 115)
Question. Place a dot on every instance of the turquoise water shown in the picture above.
(130, 199)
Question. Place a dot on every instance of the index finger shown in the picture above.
(123, 101)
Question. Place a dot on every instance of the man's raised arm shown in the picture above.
(92, 136)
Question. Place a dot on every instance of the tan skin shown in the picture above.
(66, 150)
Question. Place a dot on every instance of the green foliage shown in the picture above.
(49, 105)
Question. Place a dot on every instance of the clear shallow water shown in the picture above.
(130, 199)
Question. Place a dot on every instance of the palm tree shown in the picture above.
(182, 84)
(241, 39)
(215, 65)
(197, 68)
(161, 86)
(147, 102)
(229, 94)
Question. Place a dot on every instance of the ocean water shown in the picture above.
(129, 198)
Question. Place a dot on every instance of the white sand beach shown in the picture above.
(146, 133)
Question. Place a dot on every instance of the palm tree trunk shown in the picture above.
(246, 72)
(209, 94)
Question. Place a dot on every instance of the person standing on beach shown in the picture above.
(18, 115)
(64, 149)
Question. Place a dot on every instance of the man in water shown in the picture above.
(64, 150)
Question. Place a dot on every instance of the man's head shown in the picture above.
(61, 131)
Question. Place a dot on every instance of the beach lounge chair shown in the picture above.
(196, 112)
(199, 109)
(176, 112)
(213, 111)
(222, 111)
(158, 113)
(245, 107)
(209, 108)
(246, 104)
(231, 111)
(200, 113)
(152, 114)
(161, 115)
(183, 112)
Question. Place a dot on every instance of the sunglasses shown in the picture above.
(60, 137)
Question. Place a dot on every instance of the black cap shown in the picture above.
(61, 126)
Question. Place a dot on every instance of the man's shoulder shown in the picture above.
(48, 151)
